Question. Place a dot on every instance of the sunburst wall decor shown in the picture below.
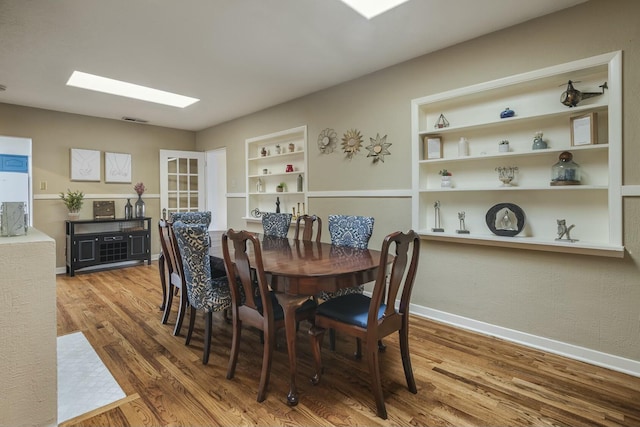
(378, 148)
(327, 141)
(351, 142)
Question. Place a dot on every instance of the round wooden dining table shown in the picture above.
(301, 269)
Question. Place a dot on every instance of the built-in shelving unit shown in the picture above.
(594, 206)
(267, 159)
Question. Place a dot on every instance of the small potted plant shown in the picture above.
(446, 178)
(281, 187)
(73, 200)
(503, 146)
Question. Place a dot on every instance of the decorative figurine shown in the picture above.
(538, 143)
(506, 174)
(507, 113)
(278, 204)
(436, 227)
(572, 96)
(463, 229)
(563, 230)
(442, 122)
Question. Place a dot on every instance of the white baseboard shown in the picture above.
(605, 360)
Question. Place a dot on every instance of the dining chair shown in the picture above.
(307, 227)
(173, 282)
(260, 308)
(204, 292)
(352, 231)
(199, 217)
(276, 224)
(372, 318)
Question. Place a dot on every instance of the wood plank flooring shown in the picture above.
(463, 378)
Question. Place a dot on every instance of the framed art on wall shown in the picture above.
(85, 165)
(117, 167)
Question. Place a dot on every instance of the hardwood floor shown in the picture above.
(463, 378)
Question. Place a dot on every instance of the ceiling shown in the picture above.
(236, 56)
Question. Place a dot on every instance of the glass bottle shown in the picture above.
(565, 171)
(463, 147)
(300, 183)
(259, 187)
(140, 208)
(128, 210)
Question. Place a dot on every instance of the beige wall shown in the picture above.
(53, 134)
(585, 301)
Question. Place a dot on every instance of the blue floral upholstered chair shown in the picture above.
(276, 224)
(204, 292)
(202, 217)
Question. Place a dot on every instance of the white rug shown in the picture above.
(84, 382)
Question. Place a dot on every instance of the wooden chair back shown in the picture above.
(308, 222)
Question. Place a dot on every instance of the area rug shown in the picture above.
(84, 382)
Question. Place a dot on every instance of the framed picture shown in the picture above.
(432, 148)
(85, 165)
(584, 129)
(117, 167)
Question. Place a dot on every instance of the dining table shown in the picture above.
(300, 269)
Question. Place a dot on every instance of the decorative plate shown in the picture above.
(327, 141)
(505, 219)
(351, 142)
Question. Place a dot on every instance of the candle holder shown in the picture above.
(506, 174)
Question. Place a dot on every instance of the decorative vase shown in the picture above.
(463, 147)
(299, 183)
(503, 147)
(74, 216)
(538, 142)
(140, 207)
(128, 210)
(445, 182)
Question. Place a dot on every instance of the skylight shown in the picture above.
(372, 8)
(129, 90)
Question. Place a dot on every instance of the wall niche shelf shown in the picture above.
(473, 113)
(263, 196)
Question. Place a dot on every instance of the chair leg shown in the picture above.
(316, 335)
(208, 320)
(168, 294)
(182, 308)
(358, 353)
(192, 322)
(163, 281)
(332, 339)
(267, 353)
(406, 360)
(235, 347)
(376, 380)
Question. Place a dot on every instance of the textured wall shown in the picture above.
(28, 377)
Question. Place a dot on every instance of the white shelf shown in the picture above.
(473, 112)
(565, 246)
(275, 156)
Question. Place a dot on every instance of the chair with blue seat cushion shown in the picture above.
(351, 231)
(371, 318)
(204, 292)
(306, 224)
(260, 307)
(276, 224)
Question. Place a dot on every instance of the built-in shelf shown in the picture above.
(594, 206)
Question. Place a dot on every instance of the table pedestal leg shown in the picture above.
(290, 304)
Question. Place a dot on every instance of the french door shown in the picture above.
(182, 182)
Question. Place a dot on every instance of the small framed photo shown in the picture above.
(85, 165)
(432, 148)
(117, 167)
(584, 129)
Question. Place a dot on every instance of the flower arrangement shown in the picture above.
(140, 188)
(73, 200)
(445, 172)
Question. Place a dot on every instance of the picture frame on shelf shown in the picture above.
(432, 148)
(584, 129)
(85, 165)
(117, 167)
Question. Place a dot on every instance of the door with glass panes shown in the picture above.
(181, 182)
